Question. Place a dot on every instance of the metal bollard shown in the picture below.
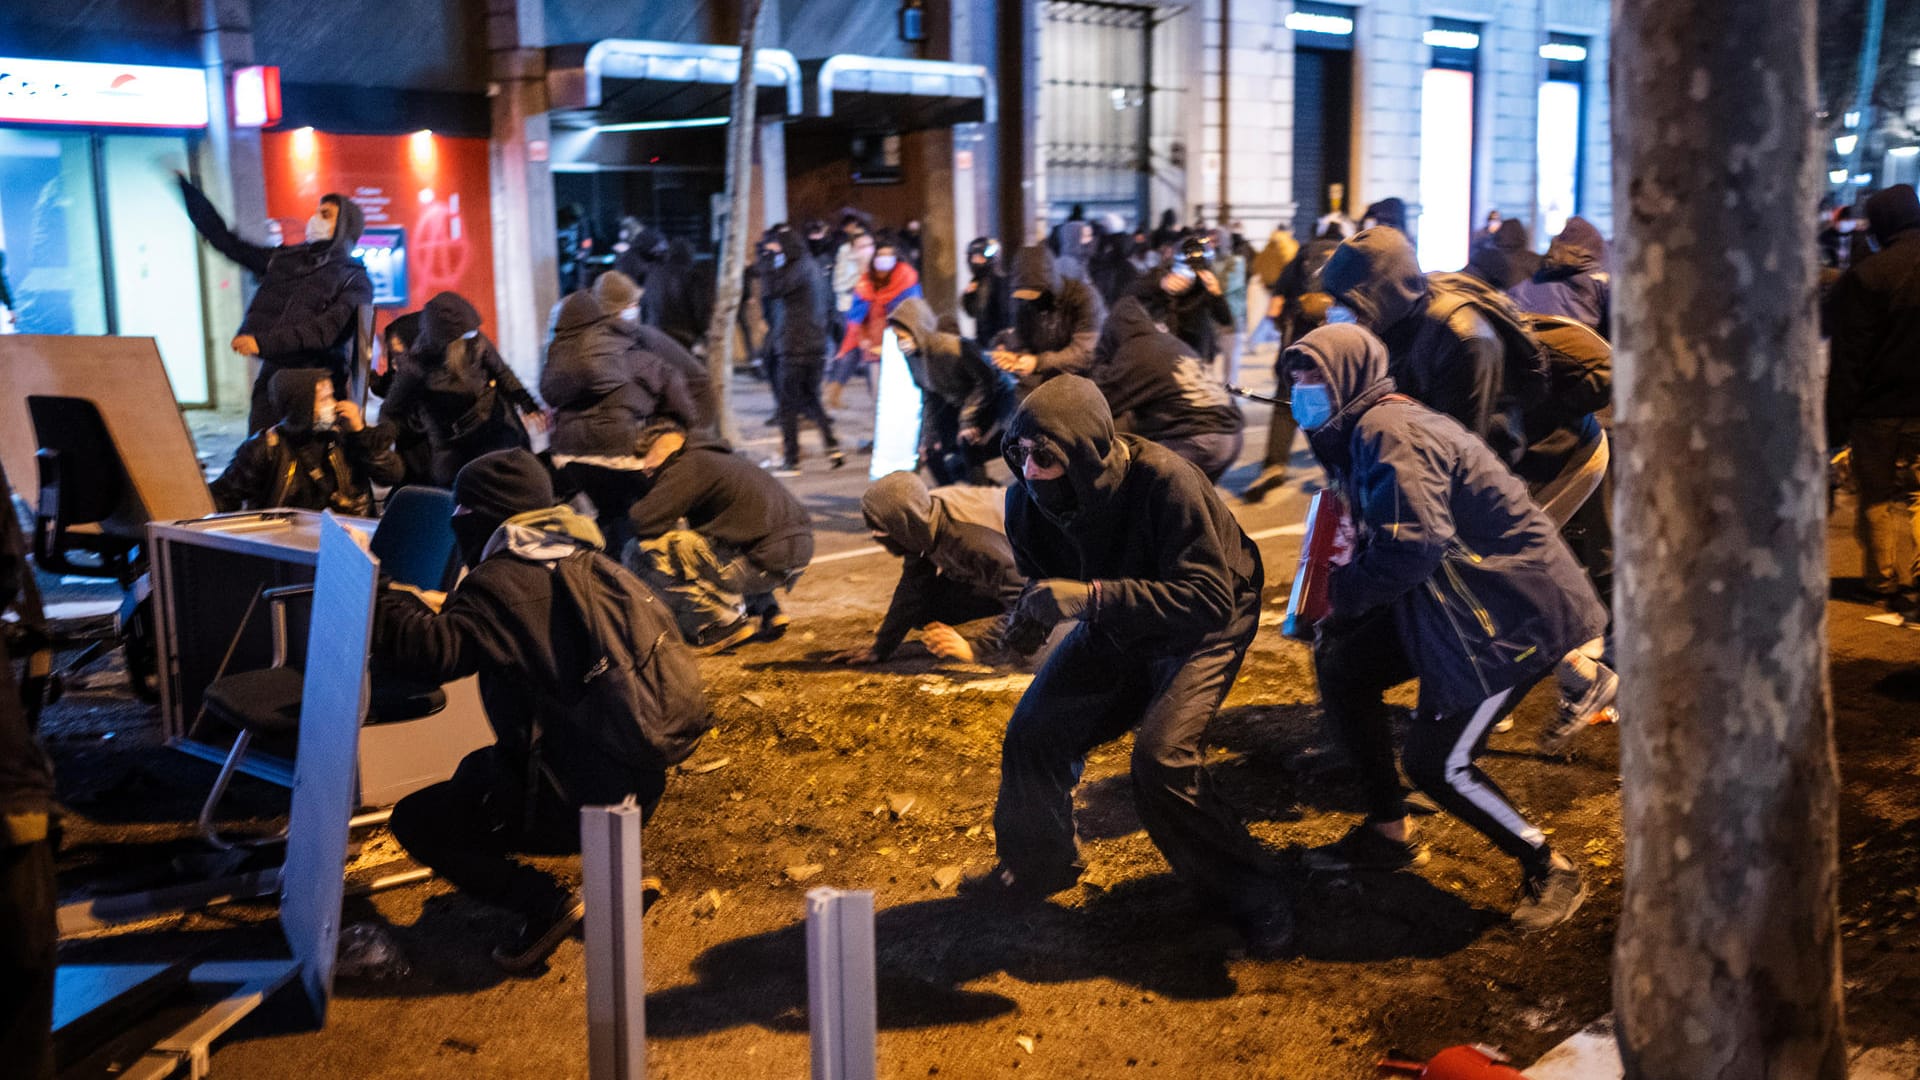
(616, 978)
(841, 1006)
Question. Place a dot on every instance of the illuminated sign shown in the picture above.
(383, 251)
(1310, 23)
(256, 97)
(1452, 39)
(1563, 52)
(129, 95)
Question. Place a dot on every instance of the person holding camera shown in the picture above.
(1188, 299)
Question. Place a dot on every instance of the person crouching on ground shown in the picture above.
(1160, 389)
(320, 454)
(1456, 578)
(588, 689)
(745, 536)
(1123, 537)
(958, 568)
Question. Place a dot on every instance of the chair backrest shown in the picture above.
(414, 540)
(95, 477)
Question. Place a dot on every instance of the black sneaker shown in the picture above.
(1549, 897)
(718, 639)
(773, 624)
(540, 937)
(1269, 481)
(1366, 848)
(1268, 931)
(999, 884)
(836, 460)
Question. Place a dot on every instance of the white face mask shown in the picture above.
(883, 263)
(631, 314)
(318, 228)
(323, 417)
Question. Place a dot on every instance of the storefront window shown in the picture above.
(49, 233)
(1446, 144)
(156, 272)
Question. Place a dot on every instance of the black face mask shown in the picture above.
(471, 533)
(892, 547)
(1055, 496)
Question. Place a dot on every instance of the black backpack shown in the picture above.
(1579, 366)
(1526, 380)
(645, 671)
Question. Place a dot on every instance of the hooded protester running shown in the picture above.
(1121, 537)
(1572, 280)
(305, 312)
(795, 299)
(617, 295)
(1158, 388)
(987, 299)
(1056, 321)
(590, 694)
(1456, 578)
(964, 401)
(320, 454)
(679, 296)
(957, 568)
(463, 389)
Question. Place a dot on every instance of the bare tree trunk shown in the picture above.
(1727, 962)
(733, 247)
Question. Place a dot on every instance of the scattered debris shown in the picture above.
(753, 699)
(1006, 684)
(946, 877)
(708, 905)
(898, 805)
(1025, 1042)
(798, 874)
(368, 951)
(697, 768)
(460, 1046)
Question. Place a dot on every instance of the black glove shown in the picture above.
(1049, 601)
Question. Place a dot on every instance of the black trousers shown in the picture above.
(799, 399)
(1090, 692)
(612, 492)
(1356, 662)
(946, 459)
(468, 828)
(27, 942)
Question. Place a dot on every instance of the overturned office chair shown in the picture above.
(83, 487)
(415, 545)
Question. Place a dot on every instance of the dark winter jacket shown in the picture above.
(454, 375)
(988, 301)
(1484, 593)
(411, 440)
(602, 386)
(949, 367)
(679, 296)
(1195, 316)
(693, 374)
(292, 465)
(1450, 358)
(725, 497)
(796, 300)
(1874, 313)
(1169, 564)
(1504, 259)
(26, 772)
(1154, 384)
(1059, 329)
(512, 621)
(303, 313)
(957, 533)
(1573, 281)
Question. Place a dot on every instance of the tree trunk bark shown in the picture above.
(733, 247)
(1727, 961)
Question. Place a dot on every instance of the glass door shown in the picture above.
(49, 234)
(154, 264)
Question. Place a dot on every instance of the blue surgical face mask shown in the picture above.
(1312, 405)
(1341, 313)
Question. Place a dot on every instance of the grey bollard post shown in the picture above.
(841, 1007)
(616, 978)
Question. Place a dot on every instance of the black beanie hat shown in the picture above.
(499, 485)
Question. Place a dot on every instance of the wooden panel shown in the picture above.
(125, 380)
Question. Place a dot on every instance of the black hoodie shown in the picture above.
(302, 315)
(1504, 259)
(1573, 281)
(453, 374)
(1154, 384)
(1874, 312)
(1485, 594)
(1059, 329)
(292, 465)
(955, 533)
(725, 497)
(602, 385)
(950, 368)
(1170, 564)
(795, 298)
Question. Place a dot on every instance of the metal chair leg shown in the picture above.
(227, 768)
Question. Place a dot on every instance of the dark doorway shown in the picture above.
(1322, 132)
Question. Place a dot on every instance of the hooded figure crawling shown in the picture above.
(1125, 538)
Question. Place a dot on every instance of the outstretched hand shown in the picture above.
(946, 643)
(856, 657)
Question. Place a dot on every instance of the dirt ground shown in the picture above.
(884, 778)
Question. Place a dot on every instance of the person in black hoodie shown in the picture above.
(1503, 258)
(745, 535)
(602, 386)
(678, 297)
(1572, 281)
(618, 295)
(1056, 321)
(988, 299)
(1390, 212)
(1873, 393)
(1443, 353)
(1122, 537)
(463, 389)
(958, 568)
(1455, 578)
(964, 401)
(411, 439)
(29, 898)
(1159, 389)
(304, 312)
(531, 618)
(796, 301)
(320, 454)
(1187, 298)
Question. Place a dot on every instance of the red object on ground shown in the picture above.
(1468, 1063)
(1328, 542)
